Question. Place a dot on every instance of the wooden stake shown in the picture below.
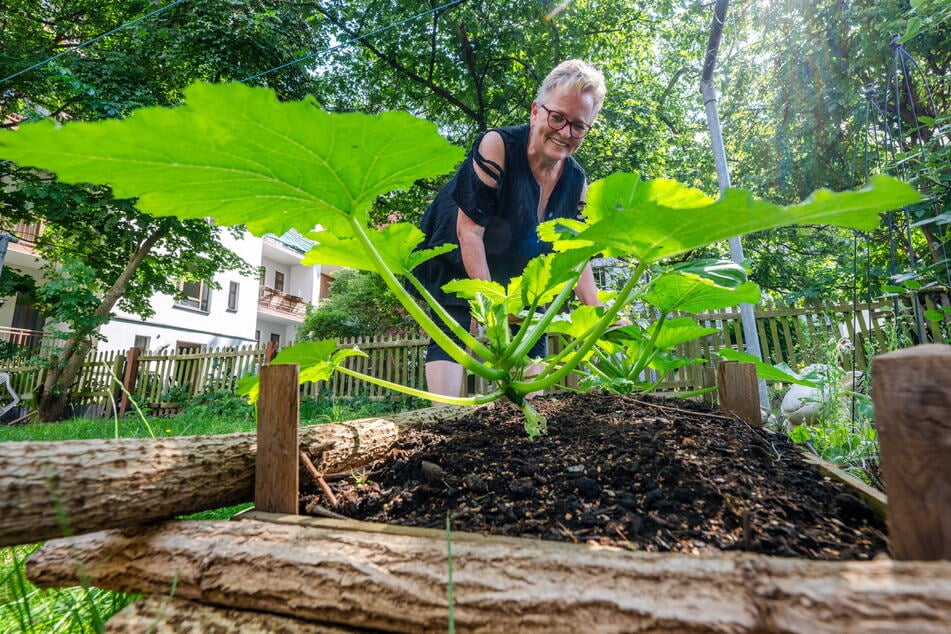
(318, 479)
(709, 377)
(739, 391)
(912, 393)
(129, 378)
(276, 475)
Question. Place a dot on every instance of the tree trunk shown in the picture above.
(395, 579)
(62, 374)
(68, 488)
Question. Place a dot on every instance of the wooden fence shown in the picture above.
(796, 336)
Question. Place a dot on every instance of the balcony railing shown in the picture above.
(27, 232)
(281, 302)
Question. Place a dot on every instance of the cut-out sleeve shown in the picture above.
(476, 199)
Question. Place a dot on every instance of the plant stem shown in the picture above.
(585, 342)
(451, 400)
(442, 340)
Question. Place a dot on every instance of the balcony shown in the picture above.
(19, 342)
(280, 303)
(27, 232)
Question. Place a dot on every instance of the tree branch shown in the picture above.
(469, 57)
(400, 68)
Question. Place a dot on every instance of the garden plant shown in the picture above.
(238, 156)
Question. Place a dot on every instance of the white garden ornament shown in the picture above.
(802, 405)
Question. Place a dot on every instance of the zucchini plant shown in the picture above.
(238, 156)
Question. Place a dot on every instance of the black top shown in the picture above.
(509, 214)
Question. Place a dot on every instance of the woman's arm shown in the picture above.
(471, 235)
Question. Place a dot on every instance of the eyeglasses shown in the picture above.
(557, 121)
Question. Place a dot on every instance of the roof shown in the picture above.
(293, 240)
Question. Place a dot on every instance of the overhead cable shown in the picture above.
(88, 42)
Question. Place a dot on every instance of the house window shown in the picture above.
(197, 295)
(142, 343)
(257, 336)
(233, 296)
(262, 275)
(275, 338)
(279, 281)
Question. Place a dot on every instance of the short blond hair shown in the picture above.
(574, 75)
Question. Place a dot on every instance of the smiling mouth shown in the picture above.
(559, 142)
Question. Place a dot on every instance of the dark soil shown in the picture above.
(643, 473)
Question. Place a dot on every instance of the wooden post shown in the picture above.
(270, 351)
(912, 393)
(276, 479)
(129, 378)
(709, 379)
(739, 391)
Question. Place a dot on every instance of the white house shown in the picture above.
(243, 310)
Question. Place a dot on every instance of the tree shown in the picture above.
(795, 83)
(101, 252)
(360, 305)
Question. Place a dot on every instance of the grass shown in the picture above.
(26, 609)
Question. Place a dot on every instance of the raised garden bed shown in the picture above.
(280, 571)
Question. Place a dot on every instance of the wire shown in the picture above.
(88, 42)
(351, 41)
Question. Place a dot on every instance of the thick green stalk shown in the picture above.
(428, 325)
(524, 341)
(650, 350)
(586, 343)
(451, 400)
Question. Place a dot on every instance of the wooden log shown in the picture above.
(394, 579)
(276, 473)
(50, 489)
(167, 615)
(912, 391)
(739, 391)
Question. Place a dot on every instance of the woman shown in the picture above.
(513, 179)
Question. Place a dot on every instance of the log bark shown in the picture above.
(393, 579)
(166, 615)
(51, 489)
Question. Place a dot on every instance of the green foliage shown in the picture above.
(671, 219)
(359, 305)
(219, 403)
(327, 409)
(844, 432)
(621, 360)
(26, 609)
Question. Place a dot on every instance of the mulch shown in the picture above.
(644, 473)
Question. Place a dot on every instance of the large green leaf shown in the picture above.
(764, 370)
(691, 293)
(651, 220)
(674, 332)
(236, 154)
(546, 275)
(317, 361)
(394, 243)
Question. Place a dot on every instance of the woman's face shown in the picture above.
(561, 108)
